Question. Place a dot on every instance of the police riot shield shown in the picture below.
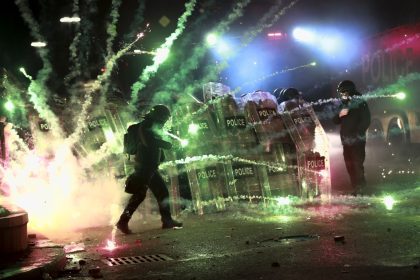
(312, 148)
(204, 170)
(239, 142)
(278, 178)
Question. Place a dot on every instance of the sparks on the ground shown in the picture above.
(283, 201)
(110, 245)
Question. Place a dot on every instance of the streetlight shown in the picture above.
(70, 19)
(38, 44)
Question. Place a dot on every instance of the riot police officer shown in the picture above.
(354, 118)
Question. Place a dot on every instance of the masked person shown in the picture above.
(354, 119)
(146, 175)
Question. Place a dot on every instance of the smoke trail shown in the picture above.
(37, 89)
(191, 63)
(136, 22)
(35, 32)
(39, 100)
(112, 33)
(157, 60)
(75, 66)
(269, 18)
(266, 21)
(112, 27)
(236, 90)
(96, 85)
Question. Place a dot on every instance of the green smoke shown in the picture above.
(37, 89)
(150, 70)
(178, 81)
(75, 67)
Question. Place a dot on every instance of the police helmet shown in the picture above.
(346, 87)
(290, 93)
(160, 113)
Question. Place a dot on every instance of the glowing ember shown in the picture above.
(110, 245)
(389, 202)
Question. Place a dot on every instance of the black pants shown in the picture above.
(140, 181)
(354, 156)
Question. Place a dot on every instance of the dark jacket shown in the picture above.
(355, 123)
(149, 151)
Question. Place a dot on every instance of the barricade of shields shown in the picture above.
(246, 151)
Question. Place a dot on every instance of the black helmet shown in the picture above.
(289, 94)
(277, 92)
(347, 86)
(160, 113)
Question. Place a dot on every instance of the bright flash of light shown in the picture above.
(312, 63)
(38, 44)
(193, 128)
(109, 135)
(388, 202)
(323, 173)
(283, 201)
(303, 35)
(9, 106)
(143, 52)
(161, 55)
(184, 142)
(70, 19)
(329, 44)
(223, 47)
(211, 39)
(400, 95)
(110, 245)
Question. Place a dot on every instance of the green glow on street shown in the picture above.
(283, 201)
(388, 202)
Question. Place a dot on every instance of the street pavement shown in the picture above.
(348, 238)
(343, 238)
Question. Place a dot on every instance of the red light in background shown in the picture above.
(276, 35)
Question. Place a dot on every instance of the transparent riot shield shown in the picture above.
(278, 178)
(204, 167)
(238, 141)
(312, 151)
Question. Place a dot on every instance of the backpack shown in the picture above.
(131, 139)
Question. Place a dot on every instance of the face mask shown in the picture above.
(345, 97)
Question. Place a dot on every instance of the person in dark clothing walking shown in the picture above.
(354, 118)
(146, 175)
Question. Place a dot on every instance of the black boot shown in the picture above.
(170, 223)
(122, 223)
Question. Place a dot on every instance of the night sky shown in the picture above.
(359, 19)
